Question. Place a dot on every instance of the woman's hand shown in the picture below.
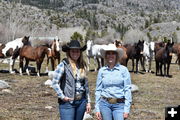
(88, 107)
(125, 115)
(67, 99)
(98, 115)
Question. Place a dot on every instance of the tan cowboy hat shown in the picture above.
(112, 47)
(73, 44)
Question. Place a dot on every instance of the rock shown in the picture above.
(134, 88)
(50, 74)
(49, 107)
(7, 91)
(87, 116)
(4, 84)
(48, 82)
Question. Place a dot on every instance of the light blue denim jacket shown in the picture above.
(114, 83)
(69, 85)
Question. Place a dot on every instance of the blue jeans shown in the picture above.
(111, 111)
(72, 111)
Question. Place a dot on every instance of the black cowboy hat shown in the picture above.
(73, 44)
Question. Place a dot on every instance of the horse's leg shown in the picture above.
(11, 65)
(26, 67)
(157, 67)
(137, 61)
(21, 65)
(52, 63)
(88, 61)
(102, 62)
(165, 69)
(150, 60)
(132, 64)
(13, 59)
(99, 64)
(168, 67)
(143, 61)
(47, 64)
(161, 68)
(95, 63)
(38, 64)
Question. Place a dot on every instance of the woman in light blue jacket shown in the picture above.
(113, 87)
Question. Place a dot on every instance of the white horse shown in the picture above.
(11, 50)
(93, 51)
(148, 54)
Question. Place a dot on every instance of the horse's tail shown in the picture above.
(16, 53)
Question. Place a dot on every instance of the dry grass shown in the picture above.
(30, 96)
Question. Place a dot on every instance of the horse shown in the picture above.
(11, 50)
(123, 59)
(30, 53)
(148, 53)
(176, 50)
(53, 43)
(54, 55)
(164, 57)
(134, 51)
(93, 51)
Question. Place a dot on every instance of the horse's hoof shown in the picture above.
(12, 72)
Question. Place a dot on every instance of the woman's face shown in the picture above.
(75, 54)
(111, 57)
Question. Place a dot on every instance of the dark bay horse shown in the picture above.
(11, 50)
(163, 57)
(30, 53)
(134, 51)
(54, 55)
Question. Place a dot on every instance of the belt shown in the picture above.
(113, 100)
(79, 96)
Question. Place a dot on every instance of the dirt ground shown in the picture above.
(30, 99)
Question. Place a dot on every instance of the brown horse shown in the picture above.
(164, 57)
(30, 53)
(123, 59)
(176, 50)
(54, 55)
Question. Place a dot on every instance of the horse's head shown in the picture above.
(89, 44)
(139, 47)
(169, 48)
(25, 40)
(152, 46)
(56, 45)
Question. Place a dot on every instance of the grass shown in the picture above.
(29, 96)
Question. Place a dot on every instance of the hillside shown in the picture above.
(97, 17)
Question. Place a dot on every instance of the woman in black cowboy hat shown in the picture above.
(71, 84)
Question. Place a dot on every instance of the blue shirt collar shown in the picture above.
(116, 67)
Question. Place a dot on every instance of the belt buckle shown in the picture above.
(112, 100)
(78, 97)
